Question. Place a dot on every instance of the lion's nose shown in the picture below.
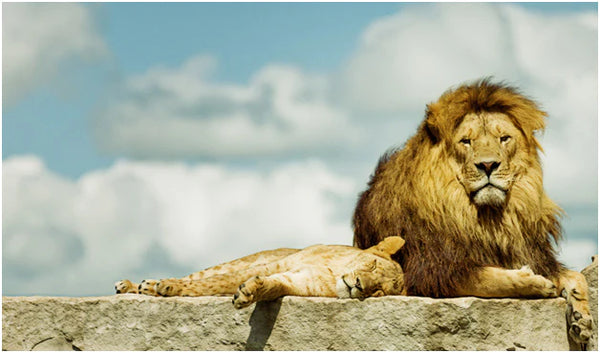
(487, 167)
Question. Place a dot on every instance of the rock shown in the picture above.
(591, 275)
(134, 322)
(54, 344)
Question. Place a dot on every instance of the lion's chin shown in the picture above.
(490, 196)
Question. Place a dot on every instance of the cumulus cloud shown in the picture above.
(120, 221)
(576, 254)
(408, 59)
(38, 38)
(78, 237)
(405, 60)
(180, 112)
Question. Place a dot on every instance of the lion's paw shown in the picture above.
(541, 287)
(148, 287)
(579, 321)
(536, 286)
(125, 286)
(247, 292)
(580, 327)
(544, 287)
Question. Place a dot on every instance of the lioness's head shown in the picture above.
(487, 130)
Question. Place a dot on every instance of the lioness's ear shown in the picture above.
(391, 245)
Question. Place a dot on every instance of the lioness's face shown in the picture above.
(486, 146)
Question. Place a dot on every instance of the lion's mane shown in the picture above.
(415, 194)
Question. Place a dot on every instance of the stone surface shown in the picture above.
(591, 275)
(133, 322)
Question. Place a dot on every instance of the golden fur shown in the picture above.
(319, 270)
(466, 193)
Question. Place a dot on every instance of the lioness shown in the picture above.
(319, 270)
(466, 193)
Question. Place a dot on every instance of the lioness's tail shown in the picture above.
(387, 247)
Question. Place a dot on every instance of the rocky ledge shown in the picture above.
(133, 322)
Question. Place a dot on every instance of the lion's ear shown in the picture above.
(431, 125)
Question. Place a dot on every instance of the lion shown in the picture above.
(316, 271)
(466, 193)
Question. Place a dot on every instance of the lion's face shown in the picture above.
(488, 150)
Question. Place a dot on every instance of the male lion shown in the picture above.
(319, 270)
(466, 193)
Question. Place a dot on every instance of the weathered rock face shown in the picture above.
(591, 275)
(133, 322)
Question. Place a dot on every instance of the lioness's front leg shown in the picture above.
(496, 282)
(573, 286)
(310, 281)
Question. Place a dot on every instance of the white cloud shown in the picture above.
(109, 222)
(180, 112)
(38, 38)
(408, 59)
(78, 237)
(577, 254)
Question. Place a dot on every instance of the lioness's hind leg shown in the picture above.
(257, 259)
(148, 287)
(573, 286)
(218, 284)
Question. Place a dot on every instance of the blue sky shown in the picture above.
(147, 127)
(243, 36)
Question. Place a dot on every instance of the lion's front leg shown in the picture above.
(496, 282)
(573, 287)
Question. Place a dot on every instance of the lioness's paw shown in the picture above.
(148, 287)
(125, 286)
(169, 287)
(247, 292)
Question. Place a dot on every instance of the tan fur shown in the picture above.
(466, 192)
(319, 270)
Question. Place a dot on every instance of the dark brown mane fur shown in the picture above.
(414, 194)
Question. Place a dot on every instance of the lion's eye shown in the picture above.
(465, 141)
(504, 138)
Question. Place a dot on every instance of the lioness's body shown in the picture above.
(466, 193)
(319, 270)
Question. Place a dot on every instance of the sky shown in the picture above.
(152, 140)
